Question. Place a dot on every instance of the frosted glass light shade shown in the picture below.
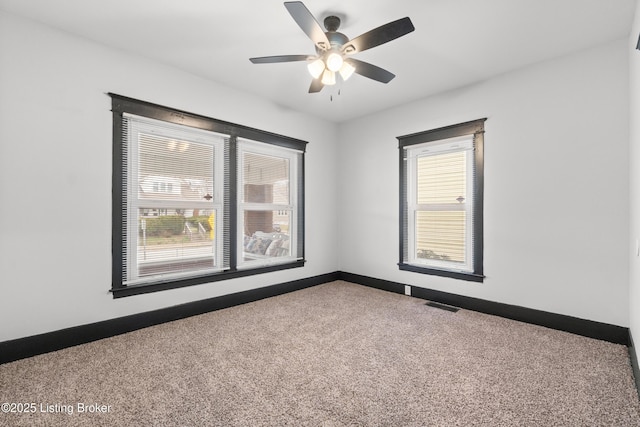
(328, 78)
(316, 68)
(334, 61)
(346, 71)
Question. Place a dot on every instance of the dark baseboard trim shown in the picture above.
(51, 341)
(633, 355)
(587, 328)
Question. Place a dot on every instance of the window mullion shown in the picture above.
(266, 207)
(438, 211)
(442, 207)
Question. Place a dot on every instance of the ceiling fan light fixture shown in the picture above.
(334, 49)
(334, 61)
(316, 68)
(346, 71)
(328, 78)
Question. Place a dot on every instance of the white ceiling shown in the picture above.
(456, 42)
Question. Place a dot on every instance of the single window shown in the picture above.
(196, 200)
(441, 187)
(177, 171)
(267, 213)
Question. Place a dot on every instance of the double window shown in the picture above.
(441, 179)
(197, 200)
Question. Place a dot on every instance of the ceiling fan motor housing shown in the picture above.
(336, 39)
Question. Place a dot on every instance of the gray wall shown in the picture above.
(55, 176)
(556, 185)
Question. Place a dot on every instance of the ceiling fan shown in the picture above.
(334, 49)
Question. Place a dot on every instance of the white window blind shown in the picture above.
(188, 189)
(440, 203)
(173, 209)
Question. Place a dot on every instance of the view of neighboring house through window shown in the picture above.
(441, 201)
(197, 200)
(174, 198)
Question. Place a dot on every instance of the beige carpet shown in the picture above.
(337, 354)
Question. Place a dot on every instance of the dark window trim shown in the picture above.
(470, 277)
(476, 128)
(121, 105)
(130, 290)
(452, 131)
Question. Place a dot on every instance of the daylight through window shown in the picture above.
(441, 201)
(197, 200)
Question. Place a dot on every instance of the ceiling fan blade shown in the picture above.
(308, 23)
(279, 58)
(378, 36)
(316, 86)
(371, 71)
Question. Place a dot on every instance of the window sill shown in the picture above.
(471, 277)
(125, 291)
